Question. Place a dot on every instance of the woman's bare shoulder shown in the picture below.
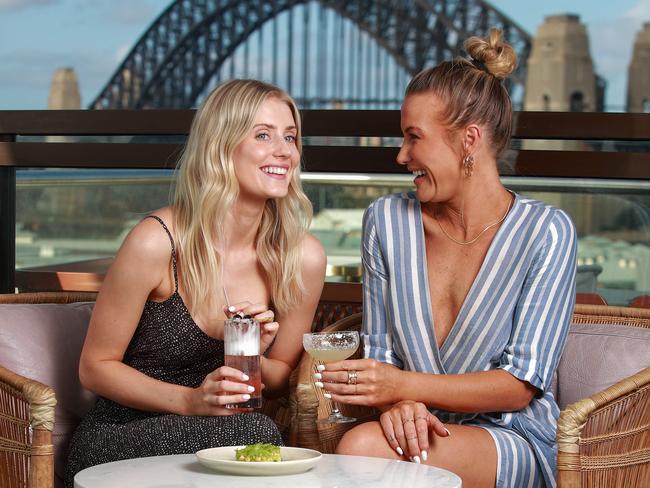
(148, 242)
(141, 265)
(313, 255)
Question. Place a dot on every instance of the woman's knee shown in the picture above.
(364, 440)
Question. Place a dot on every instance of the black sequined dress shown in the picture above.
(167, 345)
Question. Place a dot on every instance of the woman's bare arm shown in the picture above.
(382, 384)
(142, 264)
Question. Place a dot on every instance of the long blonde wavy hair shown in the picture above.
(207, 188)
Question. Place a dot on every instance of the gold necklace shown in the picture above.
(472, 241)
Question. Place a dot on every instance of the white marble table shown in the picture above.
(332, 471)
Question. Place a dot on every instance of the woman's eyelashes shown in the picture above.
(410, 136)
(265, 136)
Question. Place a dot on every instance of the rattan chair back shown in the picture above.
(27, 413)
(604, 440)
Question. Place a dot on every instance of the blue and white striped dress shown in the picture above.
(515, 317)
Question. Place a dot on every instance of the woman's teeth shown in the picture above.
(275, 170)
(419, 172)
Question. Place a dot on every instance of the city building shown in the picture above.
(638, 81)
(561, 73)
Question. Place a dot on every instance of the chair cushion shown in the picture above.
(43, 342)
(597, 356)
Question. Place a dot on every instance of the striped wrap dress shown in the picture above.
(515, 317)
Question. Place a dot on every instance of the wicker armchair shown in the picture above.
(309, 404)
(603, 440)
(27, 413)
(26, 423)
(288, 411)
(27, 454)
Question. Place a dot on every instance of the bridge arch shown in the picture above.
(174, 60)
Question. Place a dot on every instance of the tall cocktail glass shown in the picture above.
(241, 337)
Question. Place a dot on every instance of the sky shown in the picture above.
(93, 37)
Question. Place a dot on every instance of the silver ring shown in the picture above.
(352, 377)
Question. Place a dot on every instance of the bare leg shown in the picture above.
(469, 451)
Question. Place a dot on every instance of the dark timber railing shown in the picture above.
(591, 130)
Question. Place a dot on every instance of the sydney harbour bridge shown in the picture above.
(325, 53)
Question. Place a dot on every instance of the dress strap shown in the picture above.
(171, 239)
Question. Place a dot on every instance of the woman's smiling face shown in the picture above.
(427, 149)
(268, 156)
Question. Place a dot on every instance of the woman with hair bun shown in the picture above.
(234, 240)
(468, 292)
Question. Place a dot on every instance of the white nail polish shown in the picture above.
(232, 309)
(416, 459)
(244, 377)
(399, 451)
(424, 455)
(320, 367)
(318, 376)
(251, 388)
(246, 396)
(447, 431)
(327, 395)
(319, 384)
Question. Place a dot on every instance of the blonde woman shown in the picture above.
(468, 292)
(234, 239)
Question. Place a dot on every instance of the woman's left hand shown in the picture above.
(406, 426)
(360, 382)
(261, 313)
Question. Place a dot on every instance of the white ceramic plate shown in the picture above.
(294, 460)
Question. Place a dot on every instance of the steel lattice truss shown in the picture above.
(174, 60)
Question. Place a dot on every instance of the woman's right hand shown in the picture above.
(260, 312)
(221, 387)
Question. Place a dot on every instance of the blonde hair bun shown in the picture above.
(498, 57)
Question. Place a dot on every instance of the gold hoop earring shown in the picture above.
(468, 165)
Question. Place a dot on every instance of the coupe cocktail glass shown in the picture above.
(328, 347)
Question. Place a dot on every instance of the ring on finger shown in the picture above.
(352, 377)
(411, 438)
(420, 418)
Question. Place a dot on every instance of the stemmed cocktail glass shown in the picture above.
(328, 347)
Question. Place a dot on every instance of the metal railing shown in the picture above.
(587, 148)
